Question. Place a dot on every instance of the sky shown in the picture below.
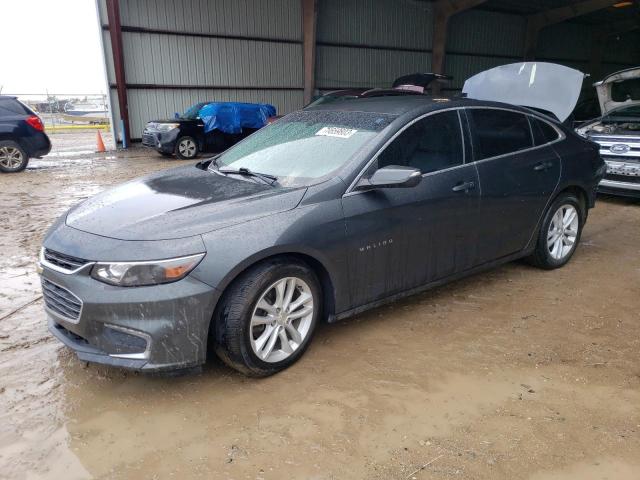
(50, 45)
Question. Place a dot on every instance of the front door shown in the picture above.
(401, 238)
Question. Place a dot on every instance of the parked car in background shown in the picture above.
(412, 84)
(22, 135)
(617, 131)
(206, 127)
(323, 214)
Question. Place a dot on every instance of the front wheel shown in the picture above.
(267, 317)
(559, 233)
(13, 158)
(186, 148)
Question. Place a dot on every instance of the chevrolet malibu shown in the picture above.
(326, 213)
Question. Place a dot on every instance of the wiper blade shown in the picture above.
(266, 178)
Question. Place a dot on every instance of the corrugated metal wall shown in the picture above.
(365, 43)
(180, 52)
(238, 50)
(477, 40)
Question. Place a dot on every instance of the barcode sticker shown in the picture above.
(336, 132)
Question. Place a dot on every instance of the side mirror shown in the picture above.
(393, 176)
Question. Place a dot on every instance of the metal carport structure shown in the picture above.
(161, 56)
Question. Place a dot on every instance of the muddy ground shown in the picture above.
(516, 373)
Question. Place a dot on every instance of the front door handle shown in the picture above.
(543, 166)
(464, 186)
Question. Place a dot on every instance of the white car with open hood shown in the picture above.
(617, 131)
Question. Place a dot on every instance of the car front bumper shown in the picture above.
(163, 142)
(160, 327)
(622, 177)
(625, 189)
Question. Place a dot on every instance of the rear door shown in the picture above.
(400, 238)
(517, 178)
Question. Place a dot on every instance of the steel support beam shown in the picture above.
(309, 23)
(443, 10)
(538, 21)
(115, 33)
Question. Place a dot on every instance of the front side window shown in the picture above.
(431, 144)
(498, 132)
(306, 145)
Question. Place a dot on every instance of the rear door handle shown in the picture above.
(464, 186)
(543, 166)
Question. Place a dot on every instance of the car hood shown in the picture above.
(540, 85)
(179, 203)
(605, 87)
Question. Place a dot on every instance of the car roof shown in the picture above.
(7, 97)
(399, 105)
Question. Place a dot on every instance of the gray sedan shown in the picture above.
(325, 213)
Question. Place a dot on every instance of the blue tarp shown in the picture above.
(232, 117)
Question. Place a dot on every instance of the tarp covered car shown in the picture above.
(206, 127)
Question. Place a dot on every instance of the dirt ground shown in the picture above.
(516, 373)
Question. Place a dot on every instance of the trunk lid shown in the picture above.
(543, 86)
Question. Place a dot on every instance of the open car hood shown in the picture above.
(543, 86)
(610, 99)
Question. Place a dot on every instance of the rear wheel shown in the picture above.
(186, 148)
(267, 317)
(559, 233)
(13, 158)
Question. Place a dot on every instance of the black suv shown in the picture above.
(185, 136)
(21, 135)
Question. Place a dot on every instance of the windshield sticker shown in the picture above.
(336, 132)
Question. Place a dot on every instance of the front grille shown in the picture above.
(61, 301)
(618, 148)
(61, 260)
(149, 139)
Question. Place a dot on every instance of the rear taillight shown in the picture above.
(35, 122)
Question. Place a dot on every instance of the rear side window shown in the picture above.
(431, 144)
(543, 132)
(498, 132)
(13, 107)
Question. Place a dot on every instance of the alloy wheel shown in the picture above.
(10, 157)
(563, 232)
(281, 319)
(187, 148)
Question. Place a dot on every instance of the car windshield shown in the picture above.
(306, 145)
(625, 114)
(192, 112)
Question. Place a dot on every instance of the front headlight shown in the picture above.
(138, 274)
(165, 127)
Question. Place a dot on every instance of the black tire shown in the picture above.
(13, 158)
(542, 256)
(231, 327)
(186, 148)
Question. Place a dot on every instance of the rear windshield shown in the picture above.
(305, 146)
(11, 107)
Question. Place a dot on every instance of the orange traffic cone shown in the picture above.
(99, 143)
